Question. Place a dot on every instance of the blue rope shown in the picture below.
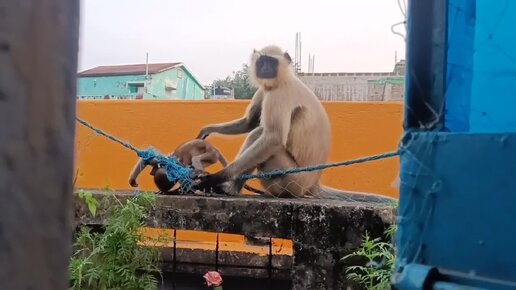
(283, 172)
(175, 170)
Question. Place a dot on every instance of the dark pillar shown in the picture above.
(38, 66)
(426, 64)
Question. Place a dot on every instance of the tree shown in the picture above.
(239, 81)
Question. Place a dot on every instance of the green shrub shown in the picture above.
(379, 266)
(113, 259)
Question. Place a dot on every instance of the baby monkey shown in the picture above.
(197, 153)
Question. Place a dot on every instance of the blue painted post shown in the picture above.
(457, 190)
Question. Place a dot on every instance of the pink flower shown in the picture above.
(213, 278)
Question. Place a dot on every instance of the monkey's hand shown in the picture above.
(205, 132)
(196, 174)
(213, 182)
(133, 183)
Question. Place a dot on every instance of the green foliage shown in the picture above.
(239, 81)
(380, 257)
(113, 259)
(90, 201)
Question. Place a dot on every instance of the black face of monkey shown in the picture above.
(267, 67)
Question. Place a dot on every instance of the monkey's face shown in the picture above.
(269, 66)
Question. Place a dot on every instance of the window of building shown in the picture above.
(170, 88)
(179, 73)
(136, 88)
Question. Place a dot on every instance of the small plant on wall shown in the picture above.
(114, 259)
(379, 266)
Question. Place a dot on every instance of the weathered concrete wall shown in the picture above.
(352, 87)
(323, 231)
(357, 86)
(386, 89)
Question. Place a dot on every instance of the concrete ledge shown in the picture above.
(323, 231)
(253, 216)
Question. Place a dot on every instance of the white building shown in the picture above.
(368, 86)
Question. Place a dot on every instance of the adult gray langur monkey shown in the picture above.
(288, 127)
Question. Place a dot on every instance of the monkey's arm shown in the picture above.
(221, 158)
(243, 125)
(276, 125)
(239, 126)
(136, 171)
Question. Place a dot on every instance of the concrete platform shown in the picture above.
(322, 231)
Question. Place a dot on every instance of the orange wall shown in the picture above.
(359, 129)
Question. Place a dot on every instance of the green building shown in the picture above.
(158, 81)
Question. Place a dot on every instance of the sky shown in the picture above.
(213, 38)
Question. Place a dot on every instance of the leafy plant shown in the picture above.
(114, 259)
(90, 201)
(380, 256)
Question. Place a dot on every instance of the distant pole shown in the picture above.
(309, 62)
(297, 57)
(296, 54)
(38, 56)
(146, 72)
(146, 65)
(300, 53)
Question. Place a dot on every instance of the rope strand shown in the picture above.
(283, 172)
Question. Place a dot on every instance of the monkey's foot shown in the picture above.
(208, 194)
(176, 191)
(216, 190)
(212, 183)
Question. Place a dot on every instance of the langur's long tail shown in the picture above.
(325, 192)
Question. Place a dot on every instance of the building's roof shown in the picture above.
(130, 69)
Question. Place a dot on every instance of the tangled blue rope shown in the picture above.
(175, 170)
